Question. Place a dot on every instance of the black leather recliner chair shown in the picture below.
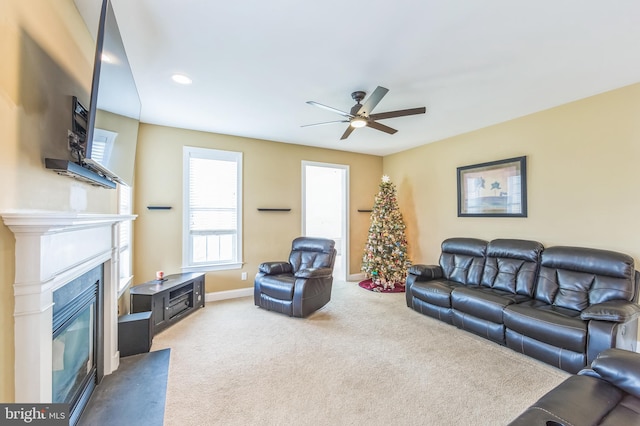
(303, 284)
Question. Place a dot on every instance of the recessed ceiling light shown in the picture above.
(181, 79)
(106, 58)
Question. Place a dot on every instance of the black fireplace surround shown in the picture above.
(77, 341)
(561, 305)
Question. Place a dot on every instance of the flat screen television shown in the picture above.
(104, 134)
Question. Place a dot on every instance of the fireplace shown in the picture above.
(76, 327)
(65, 291)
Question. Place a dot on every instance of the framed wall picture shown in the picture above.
(494, 189)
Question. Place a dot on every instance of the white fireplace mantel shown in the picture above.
(53, 248)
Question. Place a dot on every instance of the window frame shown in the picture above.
(124, 281)
(188, 265)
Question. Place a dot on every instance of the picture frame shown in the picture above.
(493, 189)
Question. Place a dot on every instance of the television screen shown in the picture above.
(114, 108)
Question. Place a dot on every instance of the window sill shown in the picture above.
(212, 267)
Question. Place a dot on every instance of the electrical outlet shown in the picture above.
(243, 277)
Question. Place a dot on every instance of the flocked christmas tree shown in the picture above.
(385, 259)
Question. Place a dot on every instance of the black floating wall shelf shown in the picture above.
(159, 207)
(364, 211)
(273, 210)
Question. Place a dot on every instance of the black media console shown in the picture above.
(169, 300)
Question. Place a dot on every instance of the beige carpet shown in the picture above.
(365, 358)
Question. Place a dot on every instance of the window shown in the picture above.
(212, 221)
(102, 145)
(124, 237)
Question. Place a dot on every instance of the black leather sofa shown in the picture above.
(560, 305)
(606, 394)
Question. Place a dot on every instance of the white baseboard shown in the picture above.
(115, 363)
(244, 292)
(228, 294)
(356, 277)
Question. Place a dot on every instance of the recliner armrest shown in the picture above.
(621, 368)
(314, 273)
(620, 311)
(426, 272)
(275, 268)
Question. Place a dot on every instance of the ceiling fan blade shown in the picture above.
(381, 127)
(398, 113)
(347, 132)
(373, 100)
(325, 122)
(328, 108)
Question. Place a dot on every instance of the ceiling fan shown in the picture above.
(361, 116)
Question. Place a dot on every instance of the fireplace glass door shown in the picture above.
(73, 357)
(76, 325)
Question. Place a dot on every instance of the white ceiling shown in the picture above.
(472, 63)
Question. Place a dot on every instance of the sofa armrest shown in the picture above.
(314, 273)
(587, 371)
(621, 368)
(426, 272)
(620, 311)
(274, 268)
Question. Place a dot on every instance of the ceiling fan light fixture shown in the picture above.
(358, 122)
(181, 79)
(360, 114)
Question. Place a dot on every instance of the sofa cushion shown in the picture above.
(504, 274)
(435, 292)
(576, 277)
(278, 286)
(511, 265)
(462, 260)
(595, 261)
(314, 273)
(483, 302)
(310, 259)
(546, 323)
(307, 252)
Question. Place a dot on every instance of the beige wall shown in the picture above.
(271, 178)
(582, 179)
(47, 57)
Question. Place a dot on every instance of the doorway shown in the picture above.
(325, 202)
